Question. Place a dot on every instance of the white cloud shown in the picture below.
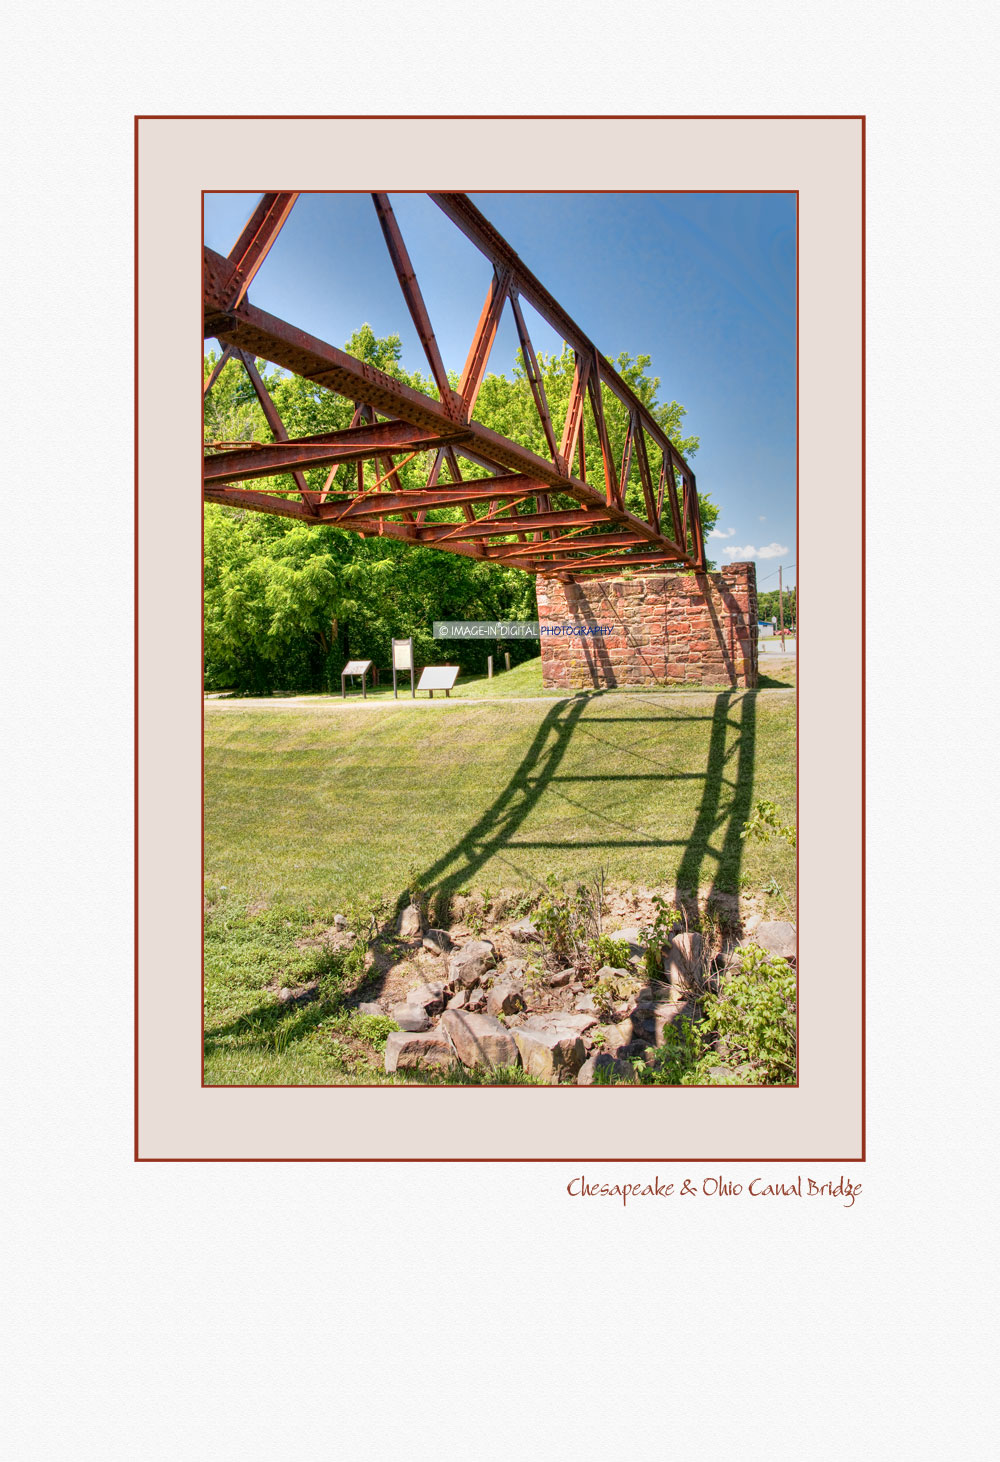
(770, 550)
(762, 519)
(722, 533)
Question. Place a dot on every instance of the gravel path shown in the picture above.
(334, 704)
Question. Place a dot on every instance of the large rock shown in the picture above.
(685, 952)
(561, 977)
(620, 1070)
(549, 1054)
(683, 962)
(663, 1016)
(438, 941)
(615, 1037)
(565, 1020)
(406, 1050)
(525, 931)
(638, 1048)
(411, 1017)
(370, 1007)
(478, 1040)
(476, 999)
(472, 962)
(613, 972)
(429, 997)
(411, 922)
(459, 1000)
(650, 1022)
(777, 936)
(503, 999)
(580, 1021)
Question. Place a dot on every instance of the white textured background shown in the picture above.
(290, 1311)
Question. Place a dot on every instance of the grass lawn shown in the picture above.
(312, 812)
(526, 680)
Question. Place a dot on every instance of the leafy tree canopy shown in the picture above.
(287, 604)
(768, 608)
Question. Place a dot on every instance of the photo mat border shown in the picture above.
(146, 1155)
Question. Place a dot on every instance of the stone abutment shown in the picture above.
(665, 629)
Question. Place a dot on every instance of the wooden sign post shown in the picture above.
(437, 677)
(355, 668)
(402, 659)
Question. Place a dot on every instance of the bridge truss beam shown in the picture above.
(506, 517)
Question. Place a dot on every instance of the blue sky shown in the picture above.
(702, 282)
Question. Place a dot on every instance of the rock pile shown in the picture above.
(496, 1002)
(488, 1012)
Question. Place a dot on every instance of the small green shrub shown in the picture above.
(561, 919)
(677, 1061)
(747, 1029)
(569, 919)
(764, 823)
(607, 950)
(375, 1029)
(656, 937)
(752, 1018)
(532, 976)
(609, 991)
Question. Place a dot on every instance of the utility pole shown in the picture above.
(781, 607)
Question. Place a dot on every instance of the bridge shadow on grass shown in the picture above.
(268, 1028)
(711, 852)
(715, 849)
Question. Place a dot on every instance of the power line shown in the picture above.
(764, 580)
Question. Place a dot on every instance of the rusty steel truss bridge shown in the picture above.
(531, 512)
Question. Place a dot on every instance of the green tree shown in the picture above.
(768, 606)
(285, 603)
(507, 406)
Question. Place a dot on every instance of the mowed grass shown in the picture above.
(332, 807)
(319, 810)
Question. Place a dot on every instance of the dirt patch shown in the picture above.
(397, 966)
(334, 939)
